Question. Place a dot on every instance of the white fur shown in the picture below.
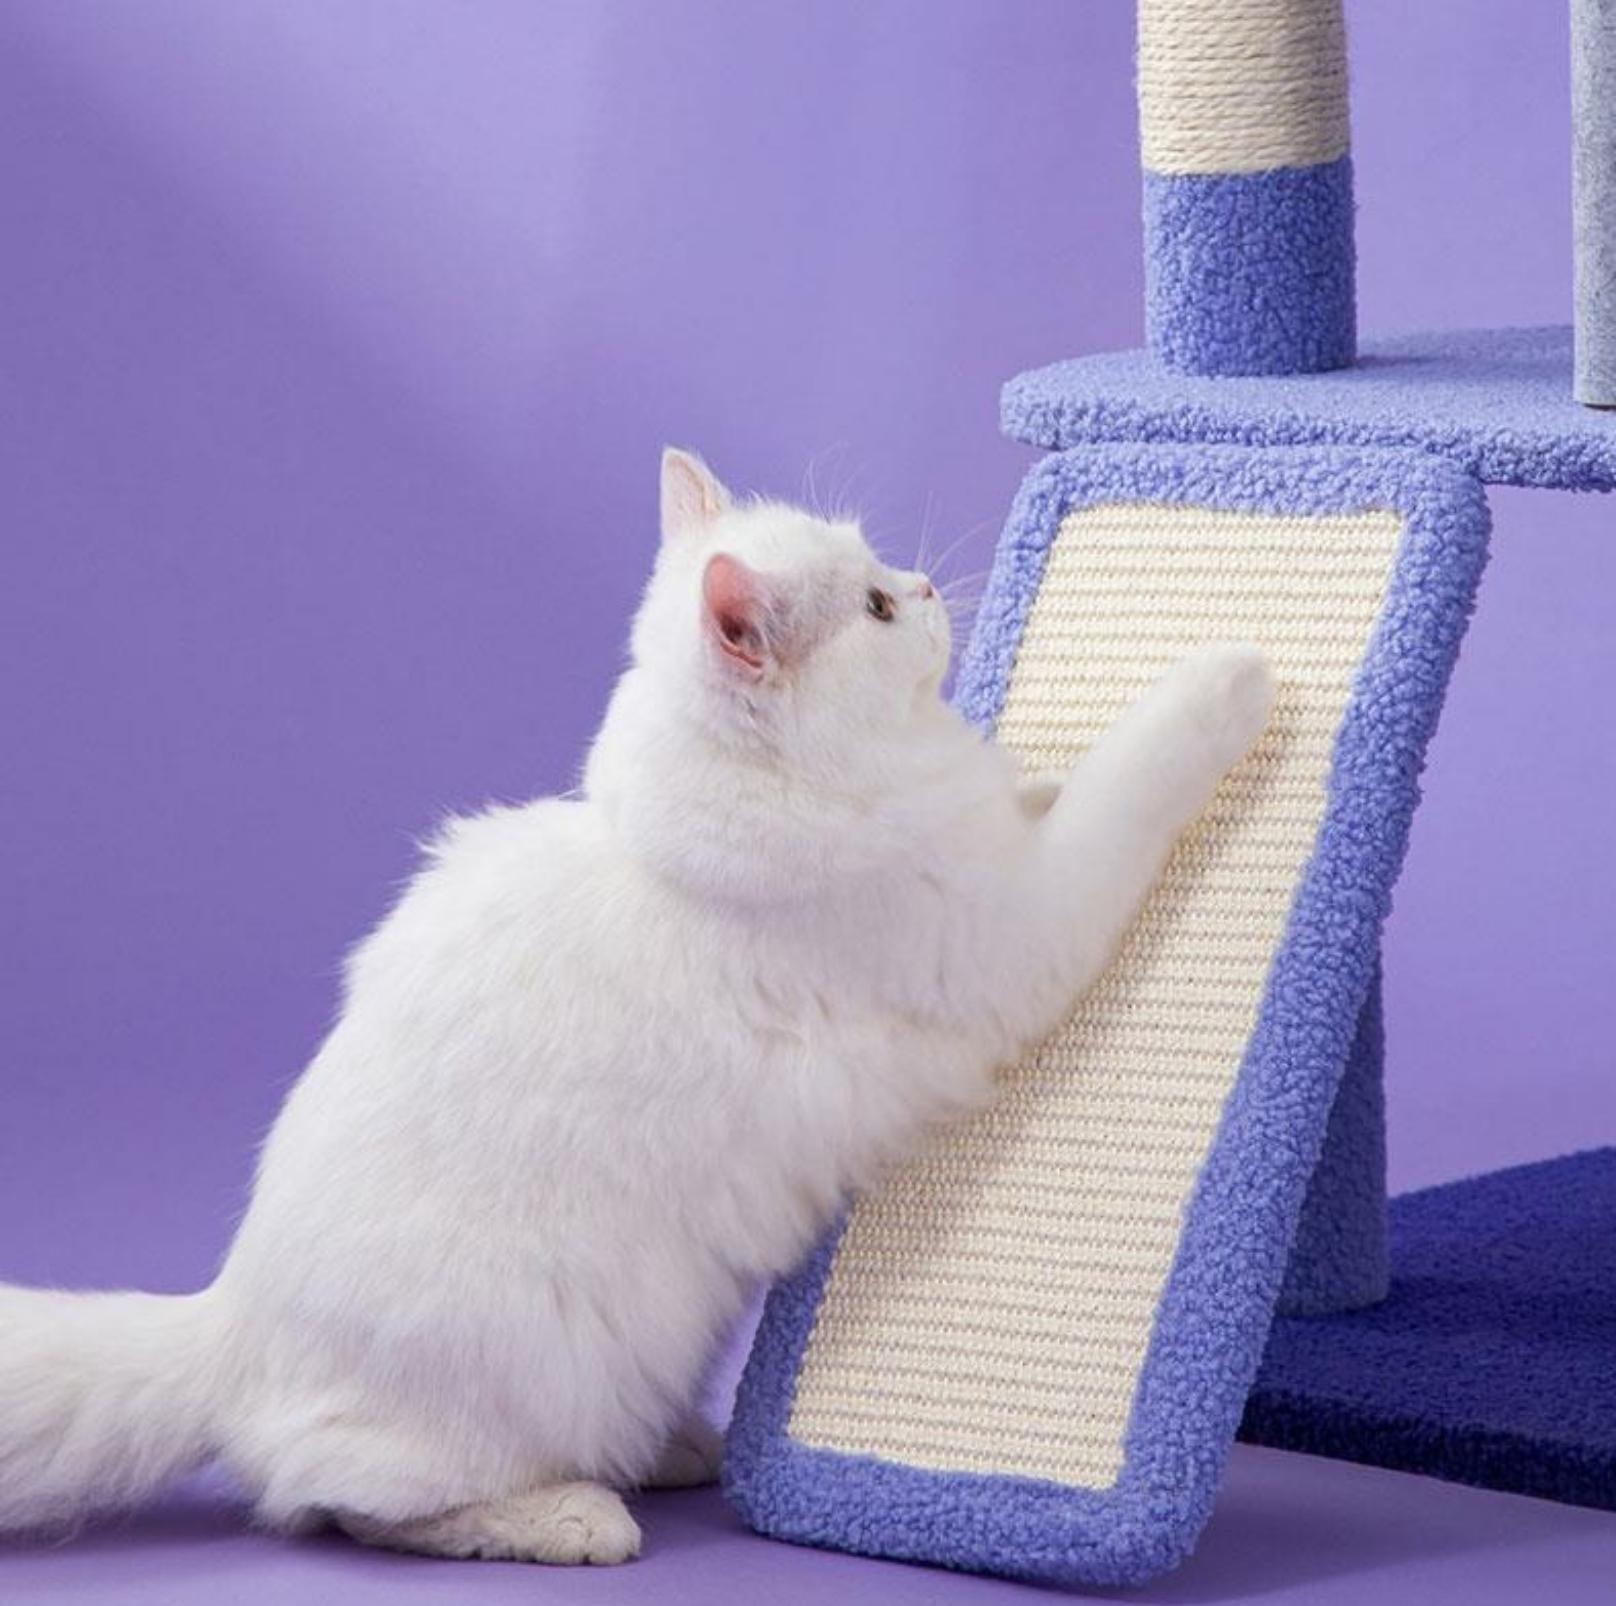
(614, 1058)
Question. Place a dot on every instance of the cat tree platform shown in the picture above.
(1498, 401)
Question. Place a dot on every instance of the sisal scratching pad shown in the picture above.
(1062, 1203)
(1028, 1351)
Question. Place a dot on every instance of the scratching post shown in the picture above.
(1593, 121)
(1248, 185)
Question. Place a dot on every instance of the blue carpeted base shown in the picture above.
(1492, 1361)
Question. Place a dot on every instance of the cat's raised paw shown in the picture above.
(1236, 686)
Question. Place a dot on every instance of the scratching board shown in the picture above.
(1028, 1352)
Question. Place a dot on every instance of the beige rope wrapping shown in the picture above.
(989, 1307)
(1241, 86)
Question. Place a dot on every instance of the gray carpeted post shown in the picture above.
(1593, 165)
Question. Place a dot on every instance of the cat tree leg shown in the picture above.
(1338, 1260)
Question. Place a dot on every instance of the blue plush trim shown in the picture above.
(1218, 1299)
(1497, 401)
(1251, 273)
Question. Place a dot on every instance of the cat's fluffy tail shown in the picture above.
(103, 1397)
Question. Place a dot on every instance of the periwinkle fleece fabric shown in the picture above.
(1493, 1359)
(1251, 273)
(1496, 401)
(1217, 1304)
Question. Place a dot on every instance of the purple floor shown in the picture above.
(1288, 1529)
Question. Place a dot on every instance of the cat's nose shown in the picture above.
(925, 588)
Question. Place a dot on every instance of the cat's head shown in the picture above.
(786, 623)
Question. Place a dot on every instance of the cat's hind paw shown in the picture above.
(564, 1524)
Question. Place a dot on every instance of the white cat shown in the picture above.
(614, 1058)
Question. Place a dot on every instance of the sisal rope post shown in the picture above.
(1248, 185)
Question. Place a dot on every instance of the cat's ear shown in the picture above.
(692, 496)
(737, 610)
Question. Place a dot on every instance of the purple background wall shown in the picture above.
(336, 346)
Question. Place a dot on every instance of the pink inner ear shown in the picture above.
(735, 605)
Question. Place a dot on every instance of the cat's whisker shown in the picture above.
(810, 486)
(960, 540)
(922, 550)
(828, 504)
(964, 585)
(960, 609)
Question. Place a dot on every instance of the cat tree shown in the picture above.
(1029, 1351)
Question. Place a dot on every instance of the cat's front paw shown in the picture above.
(1235, 687)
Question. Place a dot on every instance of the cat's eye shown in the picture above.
(879, 605)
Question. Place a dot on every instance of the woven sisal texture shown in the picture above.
(1241, 86)
(989, 1307)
